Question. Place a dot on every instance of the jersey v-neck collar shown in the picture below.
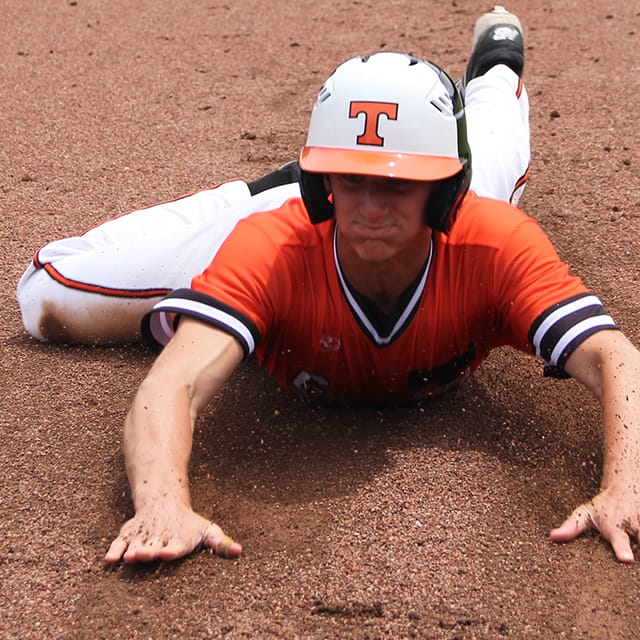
(371, 328)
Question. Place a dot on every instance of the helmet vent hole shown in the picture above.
(324, 94)
(443, 104)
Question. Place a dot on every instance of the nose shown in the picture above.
(372, 204)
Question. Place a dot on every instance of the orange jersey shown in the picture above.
(277, 286)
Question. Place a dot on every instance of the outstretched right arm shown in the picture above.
(157, 443)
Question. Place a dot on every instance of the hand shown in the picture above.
(615, 514)
(167, 530)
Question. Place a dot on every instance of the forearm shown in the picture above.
(609, 365)
(621, 421)
(157, 444)
(158, 437)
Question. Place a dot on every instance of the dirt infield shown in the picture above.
(399, 524)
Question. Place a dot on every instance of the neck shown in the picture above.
(384, 281)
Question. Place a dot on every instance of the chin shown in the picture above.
(375, 252)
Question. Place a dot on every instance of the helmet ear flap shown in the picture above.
(315, 196)
(444, 203)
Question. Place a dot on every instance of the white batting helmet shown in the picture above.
(392, 115)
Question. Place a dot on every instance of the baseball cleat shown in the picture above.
(497, 39)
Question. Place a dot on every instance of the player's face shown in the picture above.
(380, 217)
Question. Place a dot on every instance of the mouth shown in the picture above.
(384, 236)
(374, 230)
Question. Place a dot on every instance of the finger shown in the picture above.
(139, 551)
(116, 550)
(223, 545)
(576, 524)
(176, 548)
(621, 544)
(149, 550)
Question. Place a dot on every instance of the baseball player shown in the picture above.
(96, 287)
(383, 279)
(368, 271)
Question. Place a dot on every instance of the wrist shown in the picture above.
(169, 488)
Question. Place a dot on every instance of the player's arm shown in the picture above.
(609, 365)
(157, 445)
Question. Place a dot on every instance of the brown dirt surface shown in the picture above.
(397, 524)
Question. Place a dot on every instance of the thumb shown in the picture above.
(215, 538)
(576, 524)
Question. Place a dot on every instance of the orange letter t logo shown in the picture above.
(372, 113)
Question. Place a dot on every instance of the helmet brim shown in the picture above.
(403, 166)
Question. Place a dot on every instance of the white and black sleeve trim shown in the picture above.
(158, 326)
(557, 332)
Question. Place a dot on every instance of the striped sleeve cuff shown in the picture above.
(557, 332)
(159, 325)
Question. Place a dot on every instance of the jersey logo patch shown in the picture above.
(373, 111)
(330, 343)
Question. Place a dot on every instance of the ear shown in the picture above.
(326, 179)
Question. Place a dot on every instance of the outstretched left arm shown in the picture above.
(609, 366)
